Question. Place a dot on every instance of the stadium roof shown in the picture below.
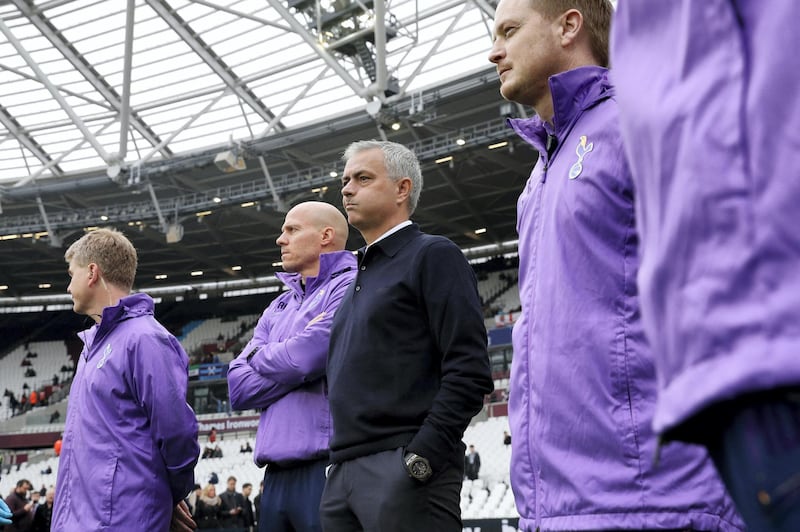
(193, 125)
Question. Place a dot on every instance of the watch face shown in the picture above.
(419, 468)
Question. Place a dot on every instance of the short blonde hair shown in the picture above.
(109, 249)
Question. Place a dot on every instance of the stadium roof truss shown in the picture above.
(144, 114)
(104, 83)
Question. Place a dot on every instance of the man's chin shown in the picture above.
(354, 220)
(507, 92)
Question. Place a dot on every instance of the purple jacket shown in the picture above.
(583, 385)
(130, 440)
(282, 369)
(708, 93)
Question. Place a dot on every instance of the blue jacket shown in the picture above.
(583, 384)
(282, 369)
(130, 440)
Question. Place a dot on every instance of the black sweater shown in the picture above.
(408, 364)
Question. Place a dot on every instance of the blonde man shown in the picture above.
(130, 440)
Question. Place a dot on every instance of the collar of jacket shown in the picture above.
(131, 306)
(392, 243)
(573, 92)
(330, 265)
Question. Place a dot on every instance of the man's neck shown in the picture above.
(386, 230)
(544, 109)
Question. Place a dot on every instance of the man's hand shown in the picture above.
(316, 319)
(5, 513)
(182, 519)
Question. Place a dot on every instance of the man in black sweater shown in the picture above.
(408, 366)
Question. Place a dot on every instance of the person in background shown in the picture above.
(408, 366)
(257, 501)
(191, 500)
(282, 369)
(232, 506)
(5, 513)
(127, 418)
(35, 498)
(247, 512)
(43, 515)
(472, 463)
(710, 118)
(583, 380)
(209, 509)
(20, 507)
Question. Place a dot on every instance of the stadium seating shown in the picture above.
(487, 497)
(209, 330)
(51, 357)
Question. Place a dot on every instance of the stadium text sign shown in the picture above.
(230, 424)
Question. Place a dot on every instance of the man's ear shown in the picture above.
(404, 187)
(570, 26)
(94, 274)
(328, 234)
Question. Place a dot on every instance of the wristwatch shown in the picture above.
(418, 467)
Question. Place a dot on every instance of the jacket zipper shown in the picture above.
(537, 239)
(550, 147)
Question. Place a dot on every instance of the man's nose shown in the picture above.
(496, 53)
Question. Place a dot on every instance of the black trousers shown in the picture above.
(375, 494)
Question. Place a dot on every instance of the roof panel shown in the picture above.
(240, 51)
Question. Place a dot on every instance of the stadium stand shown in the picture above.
(43, 367)
(215, 330)
(489, 496)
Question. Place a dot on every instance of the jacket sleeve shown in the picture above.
(246, 387)
(17, 509)
(160, 369)
(249, 389)
(450, 298)
(302, 357)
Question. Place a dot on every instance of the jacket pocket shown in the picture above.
(106, 480)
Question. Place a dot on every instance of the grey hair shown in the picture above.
(399, 161)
